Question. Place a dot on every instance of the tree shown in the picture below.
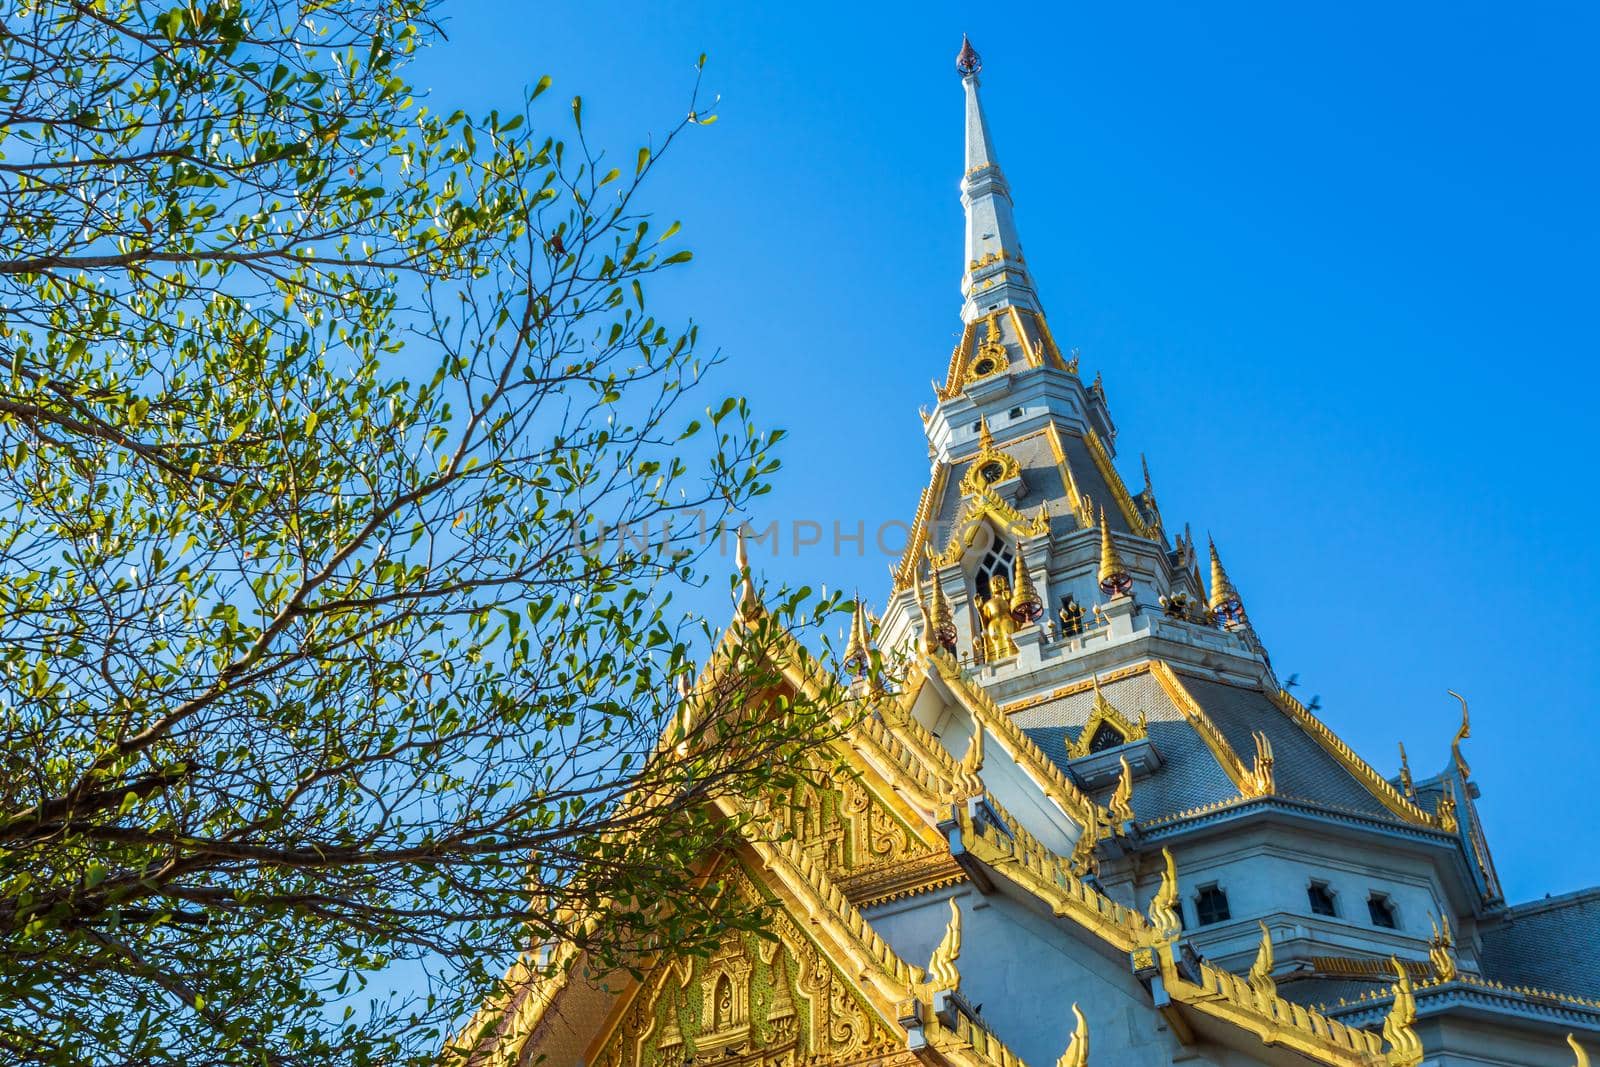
(347, 483)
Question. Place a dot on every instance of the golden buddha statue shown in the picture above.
(998, 625)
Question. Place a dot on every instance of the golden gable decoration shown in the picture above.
(778, 1001)
(1105, 714)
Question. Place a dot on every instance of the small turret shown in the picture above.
(1115, 580)
(1225, 601)
(944, 620)
(857, 652)
(1026, 606)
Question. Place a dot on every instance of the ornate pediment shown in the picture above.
(1107, 728)
(778, 1002)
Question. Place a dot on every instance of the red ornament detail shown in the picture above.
(968, 62)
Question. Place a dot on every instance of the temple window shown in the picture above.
(1211, 905)
(1381, 908)
(1321, 899)
(1106, 736)
(996, 560)
(1016, 413)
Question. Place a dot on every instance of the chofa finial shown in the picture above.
(968, 62)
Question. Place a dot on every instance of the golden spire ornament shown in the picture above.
(1406, 785)
(1114, 577)
(1225, 599)
(1026, 607)
(856, 654)
(985, 438)
(747, 602)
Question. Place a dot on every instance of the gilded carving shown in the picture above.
(843, 827)
(776, 1002)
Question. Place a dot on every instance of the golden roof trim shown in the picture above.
(1208, 730)
(1360, 769)
(1119, 491)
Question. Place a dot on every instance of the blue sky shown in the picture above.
(1335, 262)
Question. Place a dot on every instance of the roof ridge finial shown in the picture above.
(968, 62)
(747, 601)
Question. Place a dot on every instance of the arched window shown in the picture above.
(999, 558)
(722, 1010)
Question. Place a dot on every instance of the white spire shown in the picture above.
(995, 275)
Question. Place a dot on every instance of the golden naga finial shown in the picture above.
(1122, 797)
(1225, 599)
(1441, 949)
(1581, 1057)
(930, 643)
(1164, 920)
(1263, 780)
(1406, 785)
(748, 603)
(972, 760)
(1405, 1047)
(942, 973)
(1261, 970)
(1461, 735)
(1445, 813)
(1026, 605)
(1077, 1054)
(1114, 577)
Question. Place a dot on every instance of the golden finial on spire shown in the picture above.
(1026, 606)
(1261, 970)
(1582, 1057)
(1461, 735)
(1163, 915)
(1224, 597)
(1121, 805)
(942, 973)
(1405, 1047)
(985, 438)
(857, 657)
(1114, 577)
(1077, 1054)
(747, 602)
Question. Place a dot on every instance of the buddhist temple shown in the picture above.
(1085, 822)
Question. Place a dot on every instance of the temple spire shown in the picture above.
(995, 274)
